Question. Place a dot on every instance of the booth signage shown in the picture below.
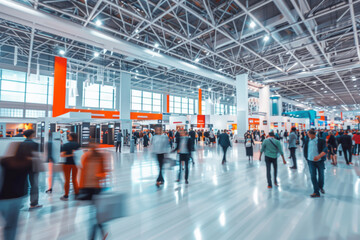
(201, 121)
(255, 121)
(264, 122)
(85, 133)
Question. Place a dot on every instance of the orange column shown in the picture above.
(200, 99)
(59, 96)
(168, 103)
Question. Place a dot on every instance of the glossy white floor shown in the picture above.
(221, 202)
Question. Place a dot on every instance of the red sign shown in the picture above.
(255, 121)
(201, 121)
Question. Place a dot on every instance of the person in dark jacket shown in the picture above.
(332, 148)
(118, 141)
(183, 147)
(224, 142)
(315, 151)
(29, 148)
(249, 142)
(346, 144)
(14, 172)
(146, 139)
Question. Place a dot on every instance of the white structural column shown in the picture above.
(125, 94)
(242, 103)
(264, 107)
(164, 103)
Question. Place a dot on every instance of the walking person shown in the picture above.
(159, 146)
(271, 147)
(249, 143)
(356, 139)
(14, 188)
(93, 172)
(332, 148)
(183, 148)
(315, 153)
(225, 143)
(69, 166)
(346, 143)
(292, 147)
(119, 136)
(30, 148)
(286, 135)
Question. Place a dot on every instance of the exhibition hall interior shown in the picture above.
(179, 119)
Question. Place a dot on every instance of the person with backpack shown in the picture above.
(249, 142)
(271, 147)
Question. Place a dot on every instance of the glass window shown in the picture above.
(136, 93)
(11, 112)
(29, 113)
(147, 94)
(191, 106)
(36, 89)
(106, 96)
(91, 96)
(13, 75)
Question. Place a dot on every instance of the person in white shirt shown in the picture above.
(160, 146)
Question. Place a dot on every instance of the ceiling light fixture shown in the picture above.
(197, 60)
(98, 23)
(252, 24)
(156, 45)
(96, 54)
(266, 38)
(220, 69)
(62, 52)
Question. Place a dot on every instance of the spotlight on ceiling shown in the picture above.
(197, 60)
(156, 45)
(96, 54)
(266, 38)
(62, 52)
(252, 24)
(98, 23)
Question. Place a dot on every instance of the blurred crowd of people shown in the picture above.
(87, 167)
(24, 161)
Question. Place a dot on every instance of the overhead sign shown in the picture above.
(201, 121)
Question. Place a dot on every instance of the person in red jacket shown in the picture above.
(356, 139)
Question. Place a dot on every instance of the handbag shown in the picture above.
(248, 144)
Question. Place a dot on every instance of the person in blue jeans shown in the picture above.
(315, 151)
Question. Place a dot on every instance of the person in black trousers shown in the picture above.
(224, 142)
(183, 147)
(346, 143)
(29, 147)
(118, 141)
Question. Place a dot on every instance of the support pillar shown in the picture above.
(200, 102)
(165, 103)
(124, 104)
(242, 104)
(264, 107)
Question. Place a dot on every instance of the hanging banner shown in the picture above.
(201, 121)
